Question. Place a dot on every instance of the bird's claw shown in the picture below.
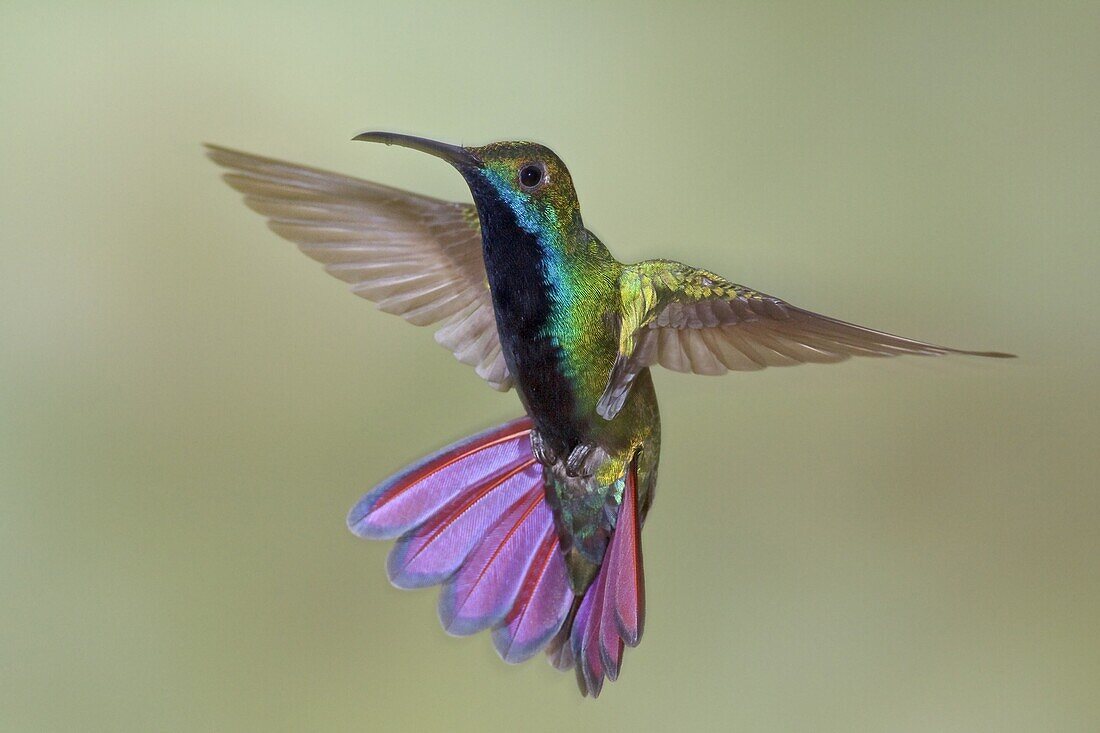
(544, 454)
(578, 464)
(582, 459)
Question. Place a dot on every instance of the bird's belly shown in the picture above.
(547, 391)
(584, 509)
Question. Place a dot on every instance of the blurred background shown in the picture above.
(188, 406)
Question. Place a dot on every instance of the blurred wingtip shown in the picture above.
(992, 354)
(220, 154)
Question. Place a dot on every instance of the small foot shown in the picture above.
(544, 454)
(578, 463)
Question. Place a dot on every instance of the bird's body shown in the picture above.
(554, 292)
(533, 528)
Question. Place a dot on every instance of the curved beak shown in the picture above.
(457, 156)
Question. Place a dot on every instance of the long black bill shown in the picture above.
(457, 156)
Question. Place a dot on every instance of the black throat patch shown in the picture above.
(522, 302)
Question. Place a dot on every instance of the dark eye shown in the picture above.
(530, 175)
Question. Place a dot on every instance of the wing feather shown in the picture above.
(415, 256)
(691, 320)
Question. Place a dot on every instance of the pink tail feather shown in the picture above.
(540, 608)
(403, 501)
(612, 613)
(483, 590)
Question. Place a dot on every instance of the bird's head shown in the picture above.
(526, 179)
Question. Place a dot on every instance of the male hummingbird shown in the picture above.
(533, 528)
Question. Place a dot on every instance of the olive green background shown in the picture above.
(188, 406)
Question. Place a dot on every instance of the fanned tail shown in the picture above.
(473, 517)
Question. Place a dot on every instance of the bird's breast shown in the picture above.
(535, 357)
(550, 324)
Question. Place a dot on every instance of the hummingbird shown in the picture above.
(533, 528)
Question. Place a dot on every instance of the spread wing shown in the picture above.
(691, 320)
(415, 256)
